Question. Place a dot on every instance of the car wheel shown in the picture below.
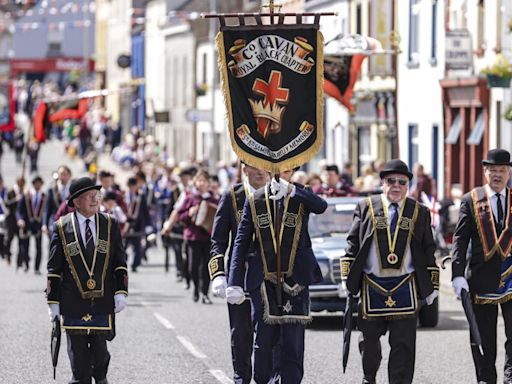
(429, 314)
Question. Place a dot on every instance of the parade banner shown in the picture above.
(272, 80)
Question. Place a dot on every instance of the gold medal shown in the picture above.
(392, 259)
(91, 284)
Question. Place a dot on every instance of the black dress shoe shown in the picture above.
(102, 381)
(206, 300)
(368, 381)
(196, 296)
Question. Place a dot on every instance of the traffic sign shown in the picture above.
(195, 115)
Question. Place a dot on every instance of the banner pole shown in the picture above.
(277, 226)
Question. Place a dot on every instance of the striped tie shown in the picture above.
(89, 243)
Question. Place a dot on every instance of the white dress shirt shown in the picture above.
(373, 261)
(92, 224)
(494, 201)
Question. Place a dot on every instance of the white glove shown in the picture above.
(219, 286)
(279, 188)
(119, 302)
(459, 283)
(235, 295)
(53, 311)
(430, 298)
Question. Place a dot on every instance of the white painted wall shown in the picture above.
(419, 96)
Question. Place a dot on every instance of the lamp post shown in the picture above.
(213, 136)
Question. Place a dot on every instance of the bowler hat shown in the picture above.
(497, 157)
(395, 166)
(80, 186)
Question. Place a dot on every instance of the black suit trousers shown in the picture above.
(402, 340)
(89, 357)
(242, 335)
(486, 318)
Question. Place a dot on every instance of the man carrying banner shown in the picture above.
(87, 281)
(485, 221)
(224, 232)
(280, 310)
(390, 262)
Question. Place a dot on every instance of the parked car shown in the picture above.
(328, 233)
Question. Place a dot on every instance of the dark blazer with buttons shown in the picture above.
(224, 228)
(64, 290)
(483, 276)
(422, 245)
(305, 271)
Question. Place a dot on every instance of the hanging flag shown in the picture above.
(272, 85)
(342, 65)
(73, 109)
(7, 107)
(41, 122)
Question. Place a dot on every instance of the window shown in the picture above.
(480, 43)
(435, 150)
(205, 58)
(453, 135)
(433, 53)
(413, 144)
(414, 20)
(478, 131)
(184, 79)
(358, 19)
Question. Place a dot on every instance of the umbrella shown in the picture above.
(470, 315)
(347, 328)
(55, 343)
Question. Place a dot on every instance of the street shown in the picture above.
(164, 337)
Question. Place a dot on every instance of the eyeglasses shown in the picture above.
(393, 181)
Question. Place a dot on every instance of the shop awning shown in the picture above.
(454, 133)
(478, 131)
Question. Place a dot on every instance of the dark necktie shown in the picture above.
(394, 218)
(89, 242)
(499, 209)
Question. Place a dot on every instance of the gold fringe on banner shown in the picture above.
(256, 161)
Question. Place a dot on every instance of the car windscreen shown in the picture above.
(335, 220)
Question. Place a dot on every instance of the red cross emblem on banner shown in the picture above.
(268, 113)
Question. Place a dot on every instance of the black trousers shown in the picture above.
(136, 243)
(242, 333)
(89, 357)
(24, 251)
(177, 247)
(487, 318)
(278, 348)
(200, 253)
(402, 340)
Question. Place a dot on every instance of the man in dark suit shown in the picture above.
(87, 281)
(280, 301)
(138, 220)
(57, 194)
(30, 221)
(485, 221)
(225, 227)
(390, 260)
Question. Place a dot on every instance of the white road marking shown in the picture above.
(221, 376)
(458, 318)
(191, 347)
(166, 323)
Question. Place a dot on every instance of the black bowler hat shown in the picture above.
(80, 186)
(497, 157)
(395, 166)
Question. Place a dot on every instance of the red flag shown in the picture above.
(340, 76)
(342, 64)
(75, 111)
(40, 120)
(7, 107)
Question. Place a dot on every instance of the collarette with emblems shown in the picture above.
(88, 278)
(486, 225)
(37, 214)
(289, 232)
(391, 248)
